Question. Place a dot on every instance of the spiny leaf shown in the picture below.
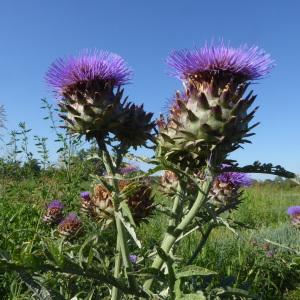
(193, 270)
(195, 296)
(129, 228)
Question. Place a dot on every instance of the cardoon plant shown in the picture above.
(211, 118)
(89, 88)
(206, 123)
(54, 212)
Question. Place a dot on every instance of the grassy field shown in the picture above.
(242, 259)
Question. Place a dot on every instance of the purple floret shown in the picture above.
(85, 195)
(249, 63)
(88, 66)
(236, 179)
(129, 169)
(293, 210)
(70, 218)
(55, 204)
(133, 258)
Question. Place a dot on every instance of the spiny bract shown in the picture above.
(211, 119)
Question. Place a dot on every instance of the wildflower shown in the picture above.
(226, 188)
(236, 179)
(54, 212)
(87, 72)
(86, 204)
(90, 87)
(139, 201)
(294, 213)
(211, 119)
(133, 258)
(70, 226)
(243, 63)
(102, 203)
(129, 169)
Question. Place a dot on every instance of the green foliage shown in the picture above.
(257, 257)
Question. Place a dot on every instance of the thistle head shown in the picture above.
(130, 168)
(88, 70)
(225, 189)
(141, 203)
(70, 226)
(102, 203)
(220, 61)
(294, 213)
(85, 196)
(135, 125)
(55, 204)
(235, 179)
(54, 212)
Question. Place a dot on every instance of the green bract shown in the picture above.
(206, 125)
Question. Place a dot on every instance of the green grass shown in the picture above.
(240, 260)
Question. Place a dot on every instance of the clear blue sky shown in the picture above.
(34, 33)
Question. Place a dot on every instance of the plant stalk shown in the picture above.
(121, 238)
(115, 295)
(170, 238)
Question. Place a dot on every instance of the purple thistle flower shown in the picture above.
(85, 195)
(70, 225)
(249, 63)
(133, 258)
(54, 212)
(293, 210)
(55, 204)
(129, 169)
(235, 178)
(71, 217)
(88, 66)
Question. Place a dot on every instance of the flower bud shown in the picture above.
(70, 226)
(54, 212)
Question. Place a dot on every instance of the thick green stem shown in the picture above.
(121, 238)
(176, 205)
(117, 272)
(170, 238)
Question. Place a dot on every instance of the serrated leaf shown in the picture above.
(85, 243)
(189, 271)
(55, 253)
(129, 228)
(127, 213)
(194, 296)
(39, 291)
(224, 222)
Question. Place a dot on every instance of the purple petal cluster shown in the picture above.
(293, 210)
(133, 258)
(248, 62)
(55, 204)
(85, 195)
(129, 169)
(88, 66)
(70, 218)
(236, 179)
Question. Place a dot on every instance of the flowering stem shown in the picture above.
(121, 238)
(176, 205)
(170, 237)
(115, 295)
